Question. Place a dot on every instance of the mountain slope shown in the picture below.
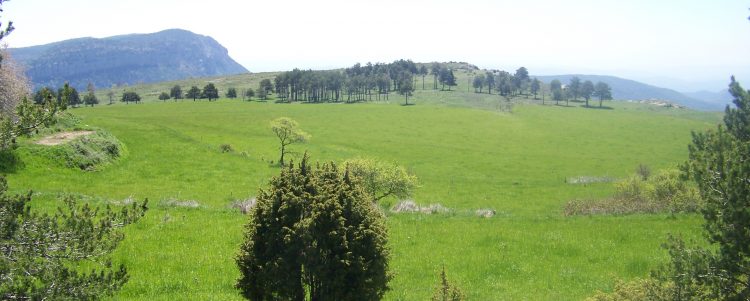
(128, 59)
(629, 89)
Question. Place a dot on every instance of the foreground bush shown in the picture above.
(314, 234)
(50, 257)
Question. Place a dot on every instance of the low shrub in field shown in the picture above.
(87, 152)
(662, 192)
(639, 289)
(226, 148)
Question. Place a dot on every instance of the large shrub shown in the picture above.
(314, 233)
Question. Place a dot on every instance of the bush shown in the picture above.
(88, 152)
(314, 232)
(662, 192)
(91, 151)
(226, 148)
(639, 289)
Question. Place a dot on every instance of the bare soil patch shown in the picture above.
(63, 137)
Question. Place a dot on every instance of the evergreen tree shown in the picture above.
(489, 80)
(266, 85)
(40, 96)
(129, 96)
(54, 257)
(435, 70)
(314, 234)
(446, 291)
(719, 162)
(574, 87)
(231, 93)
(163, 96)
(250, 93)
(210, 92)
(478, 83)
(72, 95)
(520, 79)
(193, 93)
(423, 72)
(176, 92)
(90, 98)
(405, 85)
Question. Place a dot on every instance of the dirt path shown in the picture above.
(60, 138)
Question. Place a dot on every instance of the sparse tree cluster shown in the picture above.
(354, 84)
(577, 88)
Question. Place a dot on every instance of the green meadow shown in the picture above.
(466, 153)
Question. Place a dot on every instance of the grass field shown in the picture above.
(466, 154)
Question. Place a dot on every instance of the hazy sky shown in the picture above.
(684, 44)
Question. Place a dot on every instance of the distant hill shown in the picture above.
(625, 89)
(128, 59)
(720, 98)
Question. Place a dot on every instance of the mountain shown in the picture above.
(127, 59)
(721, 97)
(626, 89)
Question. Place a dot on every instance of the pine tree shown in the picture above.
(719, 163)
(50, 257)
(446, 291)
(210, 92)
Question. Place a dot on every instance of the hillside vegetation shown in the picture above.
(469, 151)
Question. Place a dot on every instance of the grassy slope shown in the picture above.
(515, 163)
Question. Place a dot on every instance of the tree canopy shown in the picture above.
(288, 132)
(130, 96)
(381, 179)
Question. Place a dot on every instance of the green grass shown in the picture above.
(466, 154)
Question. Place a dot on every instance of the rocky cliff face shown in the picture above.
(128, 59)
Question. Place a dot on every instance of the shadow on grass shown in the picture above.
(598, 107)
(10, 162)
(408, 104)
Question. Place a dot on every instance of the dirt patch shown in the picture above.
(63, 137)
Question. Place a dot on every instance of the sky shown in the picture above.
(687, 45)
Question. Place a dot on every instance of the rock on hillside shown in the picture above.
(128, 59)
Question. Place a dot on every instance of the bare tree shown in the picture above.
(15, 86)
